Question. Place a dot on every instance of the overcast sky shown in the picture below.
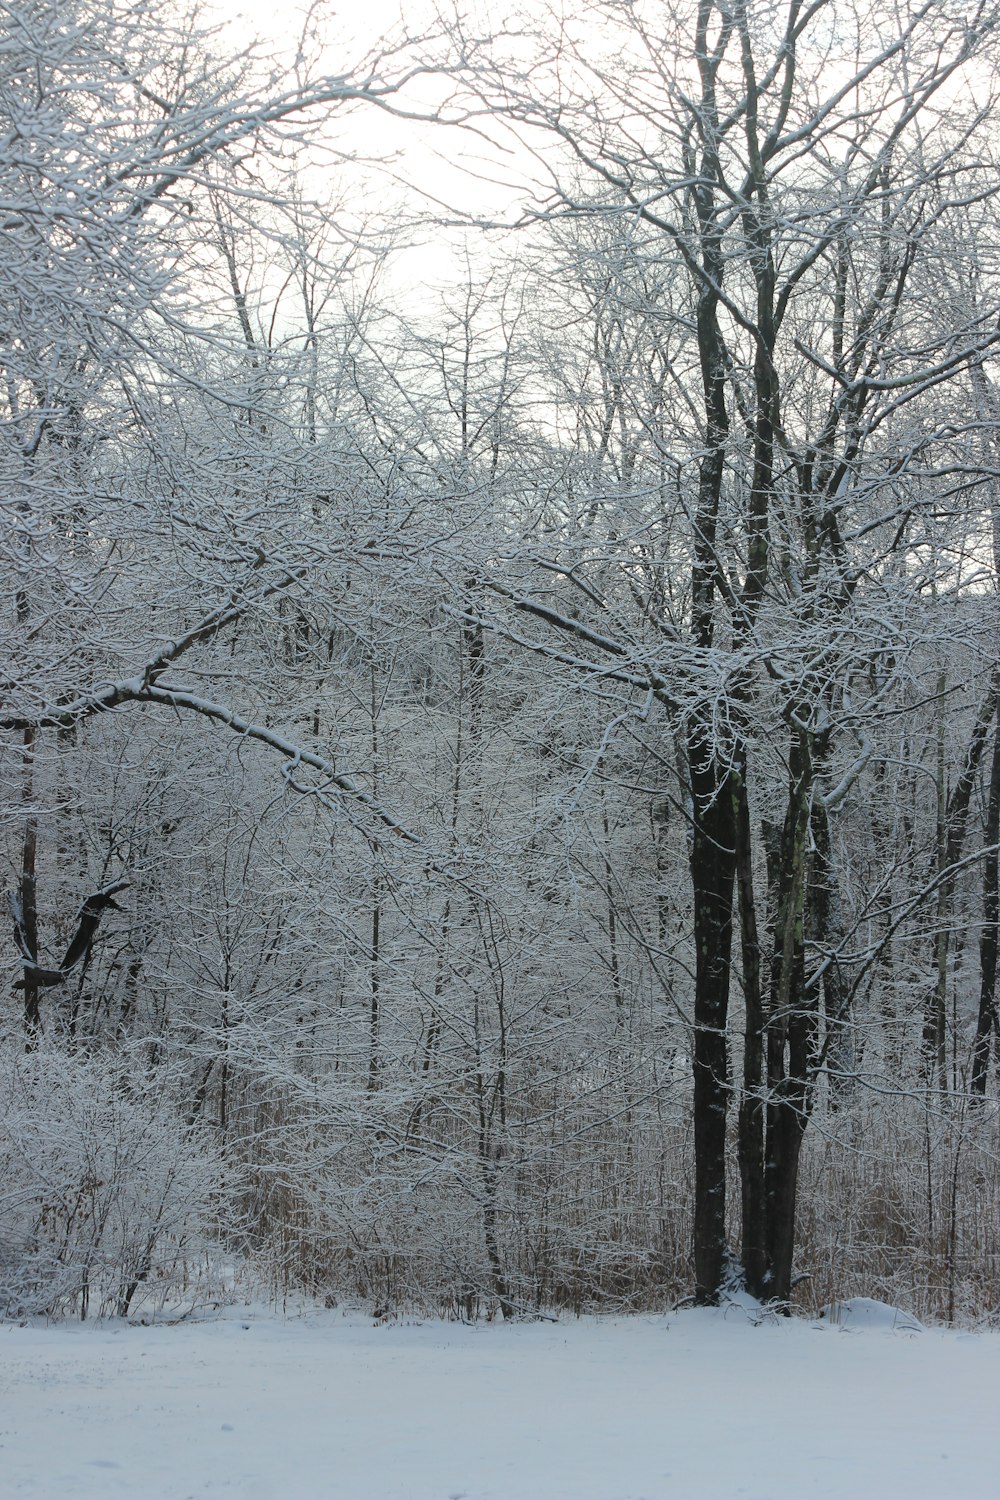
(426, 170)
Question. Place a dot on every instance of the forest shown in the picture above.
(500, 706)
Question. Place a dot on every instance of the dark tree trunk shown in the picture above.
(713, 869)
(951, 843)
(826, 931)
(751, 1120)
(29, 892)
(713, 847)
(791, 1031)
(986, 1023)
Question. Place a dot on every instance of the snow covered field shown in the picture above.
(328, 1407)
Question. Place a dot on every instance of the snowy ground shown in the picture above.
(328, 1407)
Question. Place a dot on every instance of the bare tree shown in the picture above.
(783, 172)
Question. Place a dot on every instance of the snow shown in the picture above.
(329, 1407)
(865, 1312)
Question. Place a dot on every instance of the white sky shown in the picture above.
(440, 167)
(438, 162)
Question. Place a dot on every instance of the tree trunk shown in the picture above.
(751, 1120)
(826, 923)
(29, 892)
(986, 1023)
(713, 870)
(791, 1031)
(951, 841)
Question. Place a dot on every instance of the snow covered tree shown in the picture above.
(791, 182)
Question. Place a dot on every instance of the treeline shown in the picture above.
(500, 799)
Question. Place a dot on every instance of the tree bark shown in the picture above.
(713, 870)
(751, 1119)
(791, 1030)
(29, 891)
(951, 842)
(986, 1022)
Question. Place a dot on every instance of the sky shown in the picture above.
(444, 164)
(408, 178)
